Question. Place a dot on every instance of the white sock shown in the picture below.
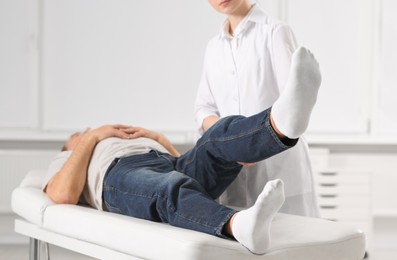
(291, 112)
(251, 227)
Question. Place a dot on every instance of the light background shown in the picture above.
(69, 64)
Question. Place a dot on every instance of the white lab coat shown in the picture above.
(243, 75)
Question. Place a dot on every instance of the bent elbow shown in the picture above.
(64, 200)
(62, 197)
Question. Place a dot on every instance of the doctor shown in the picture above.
(245, 70)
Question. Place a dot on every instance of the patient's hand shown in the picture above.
(136, 132)
(106, 131)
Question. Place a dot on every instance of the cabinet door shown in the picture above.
(339, 33)
(18, 63)
(387, 108)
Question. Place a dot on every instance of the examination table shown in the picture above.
(107, 235)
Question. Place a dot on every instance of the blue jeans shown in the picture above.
(181, 191)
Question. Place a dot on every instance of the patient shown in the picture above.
(136, 172)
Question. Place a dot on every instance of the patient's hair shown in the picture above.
(64, 148)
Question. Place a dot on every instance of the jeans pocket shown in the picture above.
(112, 209)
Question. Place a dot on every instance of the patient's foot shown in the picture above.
(291, 112)
(251, 227)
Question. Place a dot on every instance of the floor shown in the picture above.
(21, 252)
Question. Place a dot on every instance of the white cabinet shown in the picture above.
(344, 196)
(343, 193)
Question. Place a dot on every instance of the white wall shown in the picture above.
(340, 34)
(140, 62)
(387, 108)
(18, 64)
(123, 61)
(104, 62)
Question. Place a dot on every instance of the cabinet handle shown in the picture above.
(328, 184)
(329, 173)
(332, 219)
(328, 207)
(328, 195)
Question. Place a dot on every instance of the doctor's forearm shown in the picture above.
(209, 121)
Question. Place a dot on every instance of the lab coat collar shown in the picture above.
(255, 15)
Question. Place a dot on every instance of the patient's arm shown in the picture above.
(160, 138)
(67, 185)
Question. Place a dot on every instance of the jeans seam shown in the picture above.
(193, 220)
(163, 199)
(231, 138)
(166, 158)
(110, 188)
(252, 132)
(108, 206)
(170, 206)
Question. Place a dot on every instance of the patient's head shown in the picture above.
(71, 143)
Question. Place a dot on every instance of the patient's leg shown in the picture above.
(213, 161)
(146, 186)
(141, 186)
(251, 227)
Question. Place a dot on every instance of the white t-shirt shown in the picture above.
(244, 74)
(104, 153)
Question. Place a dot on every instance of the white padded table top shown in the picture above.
(293, 237)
